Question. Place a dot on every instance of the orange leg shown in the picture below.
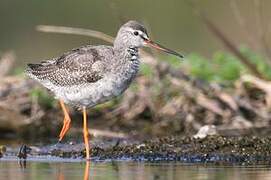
(85, 132)
(66, 122)
(86, 173)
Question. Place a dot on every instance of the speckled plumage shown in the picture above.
(89, 75)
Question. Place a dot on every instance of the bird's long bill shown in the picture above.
(162, 48)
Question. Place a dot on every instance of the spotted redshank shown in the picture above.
(90, 75)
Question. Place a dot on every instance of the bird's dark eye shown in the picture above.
(136, 33)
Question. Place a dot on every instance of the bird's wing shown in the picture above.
(79, 66)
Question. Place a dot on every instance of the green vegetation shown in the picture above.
(43, 98)
(223, 67)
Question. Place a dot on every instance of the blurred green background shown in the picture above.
(172, 23)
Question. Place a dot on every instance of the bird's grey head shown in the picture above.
(131, 34)
(134, 34)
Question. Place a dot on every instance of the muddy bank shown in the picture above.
(212, 149)
(191, 150)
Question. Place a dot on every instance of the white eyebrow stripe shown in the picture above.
(140, 32)
(145, 36)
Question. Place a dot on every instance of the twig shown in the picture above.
(76, 31)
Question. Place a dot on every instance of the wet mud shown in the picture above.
(212, 149)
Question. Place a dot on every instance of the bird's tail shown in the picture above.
(40, 70)
(32, 69)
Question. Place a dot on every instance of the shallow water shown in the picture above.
(42, 169)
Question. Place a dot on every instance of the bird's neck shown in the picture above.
(126, 53)
(127, 59)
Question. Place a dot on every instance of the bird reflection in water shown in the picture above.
(87, 169)
(60, 176)
(86, 172)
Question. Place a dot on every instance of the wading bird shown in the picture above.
(90, 75)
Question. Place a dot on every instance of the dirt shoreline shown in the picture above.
(212, 149)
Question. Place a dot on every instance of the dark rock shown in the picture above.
(23, 151)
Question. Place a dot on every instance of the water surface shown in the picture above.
(128, 170)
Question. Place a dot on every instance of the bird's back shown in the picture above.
(86, 64)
